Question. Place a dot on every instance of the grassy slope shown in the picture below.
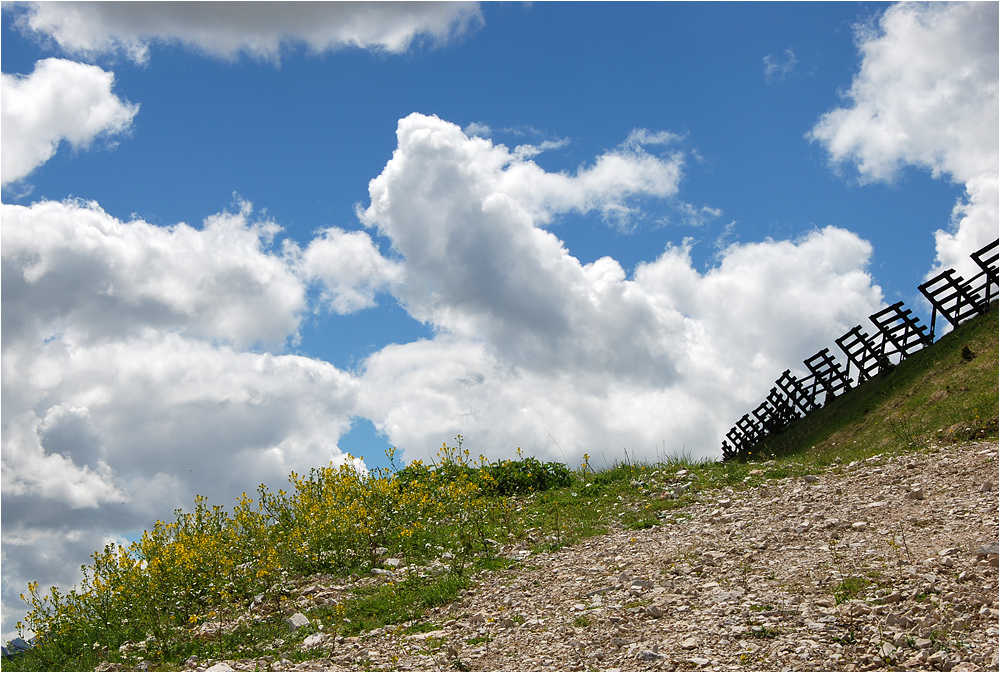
(934, 396)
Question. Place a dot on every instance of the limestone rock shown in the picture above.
(314, 640)
(297, 621)
(987, 549)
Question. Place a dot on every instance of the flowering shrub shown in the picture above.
(176, 575)
(203, 568)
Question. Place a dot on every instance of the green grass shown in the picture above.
(946, 393)
(383, 604)
(850, 587)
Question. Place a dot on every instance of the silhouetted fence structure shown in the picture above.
(898, 335)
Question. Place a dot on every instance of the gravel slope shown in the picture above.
(750, 582)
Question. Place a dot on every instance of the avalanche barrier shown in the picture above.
(898, 334)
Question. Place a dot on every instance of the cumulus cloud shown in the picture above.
(463, 212)
(349, 267)
(535, 349)
(70, 264)
(87, 419)
(926, 95)
(442, 148)
(60, 100)
(257, 29)
(133, 376)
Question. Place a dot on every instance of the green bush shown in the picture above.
(502, 478)
(527, 475)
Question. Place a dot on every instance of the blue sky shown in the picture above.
(571, 228)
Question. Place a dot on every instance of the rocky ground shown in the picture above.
(871, 565)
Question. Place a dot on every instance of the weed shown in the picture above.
(762, 631)
(643, 524)
(902, 534)
(850, 587)
(938, 639)
(421, 627)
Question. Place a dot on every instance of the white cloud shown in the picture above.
(257, 29)
(691, 215)
(350, 267)
(973, 224)
(535, 349)
(779, 68)
(607, 186)
(71, 264)
(60, 100)
(462, 212)
(639, 137)
(926, 95)
(478, 129)
(87, 419)
(527, 151)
